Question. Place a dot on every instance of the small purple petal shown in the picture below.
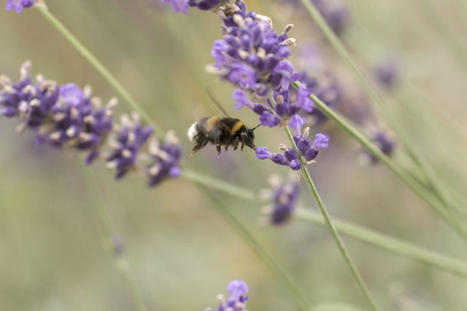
(296, 123)
(263, 153)
(321, 141)
(242, 99)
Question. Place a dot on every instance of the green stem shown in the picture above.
(314, 191)
(220, 185)
(391, 244)
(376, 98)
(106, 74)
(413, 184)
(121, 262)
(377, 239)
(280, 273)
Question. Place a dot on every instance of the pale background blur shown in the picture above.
(182, 252)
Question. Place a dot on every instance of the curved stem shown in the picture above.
(121, 262)
(106, 74)
(329, 223)
(455, 266)
(421, 191)
(378, 101)
(279, 272)
(220, 185)
(372, 237)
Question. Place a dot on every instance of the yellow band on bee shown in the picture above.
(237, 126)
(211, 123)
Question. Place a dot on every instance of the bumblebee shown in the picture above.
(221, 131)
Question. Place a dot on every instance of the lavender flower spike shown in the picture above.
(284, 196)
(60, 116)
(307, 151)
(165, 159)
(237, 300)
(130, 136)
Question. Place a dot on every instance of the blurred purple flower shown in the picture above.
(130, 136)
(179, 5)
(384, 142)
(285, 198)
(387, 73)
(165, 160)
(67, 116)
(237, 300)
(18, 5)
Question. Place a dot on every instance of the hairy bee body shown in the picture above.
(220, 131)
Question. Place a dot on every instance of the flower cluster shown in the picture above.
(284, 197)
(18, 5)
(58, 115)
(66, 116)
(237, 300)
(307, 150)
(253, 56)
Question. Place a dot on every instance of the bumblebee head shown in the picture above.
(248, 138)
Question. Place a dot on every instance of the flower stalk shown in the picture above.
(329, 223)
(413, 184)
(378, 101)
(111, 242)
(106, 74)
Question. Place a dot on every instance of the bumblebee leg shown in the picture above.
(201, 142)
(241, 148)
(235, 144)
(218, 147)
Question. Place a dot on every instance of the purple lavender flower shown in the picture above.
(179, 5)
(18, 5)
(58, 115)
(326, 87)
(252, 55)
(67, 116)
(183, 5)
(237, 300)
(307, 151)
(283, 196)
(384, 142)
(165, 160)
(284, 200)
(130, 136)
(336, 14)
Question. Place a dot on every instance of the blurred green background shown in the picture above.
(181, 251)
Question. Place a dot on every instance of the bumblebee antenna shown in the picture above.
(216, 102)
(256, 127)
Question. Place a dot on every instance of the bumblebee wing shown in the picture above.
(216, 102)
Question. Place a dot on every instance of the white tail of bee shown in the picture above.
(192, 132)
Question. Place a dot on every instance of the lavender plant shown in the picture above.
(66, 116)
(252, 56)
(131, 136)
